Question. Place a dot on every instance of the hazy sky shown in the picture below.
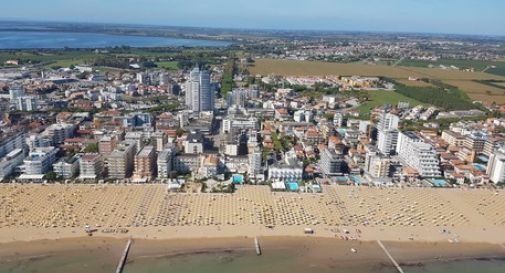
(438, 16)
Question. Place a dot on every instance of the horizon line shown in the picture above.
(22, 20)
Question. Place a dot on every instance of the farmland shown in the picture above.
(464, 80)
(168, 65)
(493, 67)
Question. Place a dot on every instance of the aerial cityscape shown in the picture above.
(215, 141)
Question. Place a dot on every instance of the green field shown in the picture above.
(380, 98)
(168, 65)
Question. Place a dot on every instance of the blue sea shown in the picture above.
(47, 39)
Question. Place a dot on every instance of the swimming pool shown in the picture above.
(238, 179)
(439, 182)
(479, 167)
(292, 186)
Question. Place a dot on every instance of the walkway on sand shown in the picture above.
(390, 257)
(122, 262)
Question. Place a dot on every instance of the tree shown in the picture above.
(91, 148)
(51, 176)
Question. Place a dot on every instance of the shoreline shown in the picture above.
(316, 249)
(453, 235)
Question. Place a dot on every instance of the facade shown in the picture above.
(285, 173)
(145, 162)
(107, 144)
(159, 140)
(39, 161)
(209, 166)
(186, 163)
(387, 139)
(331, 162)
(164, 163)
(413, 151)
(377, 165)
(120, 162)
(91, 166)
(59, 132)
(11, 142)
(26, 103)
(10, 162)
(255, 170)
(453, 138)
(199, 95)
(67, 168)
(496, 166)
(388, 121)
(194, 143)
(475, 142)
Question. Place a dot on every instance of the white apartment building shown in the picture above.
(9, 163)
(120, 162)
(164, 163)
(496, 166)
(413, 151)
(91, 166)
(67, 168)
(39, 161)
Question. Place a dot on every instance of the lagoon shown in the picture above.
(55, 40)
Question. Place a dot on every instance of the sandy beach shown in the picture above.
(35, 212)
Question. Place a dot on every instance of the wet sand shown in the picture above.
(280, 254)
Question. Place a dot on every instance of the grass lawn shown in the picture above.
(168, 65)
(380, 98)
(66, 63)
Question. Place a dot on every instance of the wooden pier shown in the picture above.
(390, 256)
(122, 262)
(257, 246)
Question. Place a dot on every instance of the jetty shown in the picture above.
(390, 256)
(122, 261)
(257, 246)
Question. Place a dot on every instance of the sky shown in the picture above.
(484, 17)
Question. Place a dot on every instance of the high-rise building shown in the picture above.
(387, 139)
(120, 162)
(255, 170)
(9, 162)
(377, 165)
(194, 143)
(11, 142)
(67, 167)
(107, 144)
(331, 162)
(145, 162)
(39, 161)
(496, 166)
(91, 167)
(159, 140)
(413, 151)
(15, 93)
(199, 95)
(26, 103)
(59, 132)
(388, 121)
(164, 163)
